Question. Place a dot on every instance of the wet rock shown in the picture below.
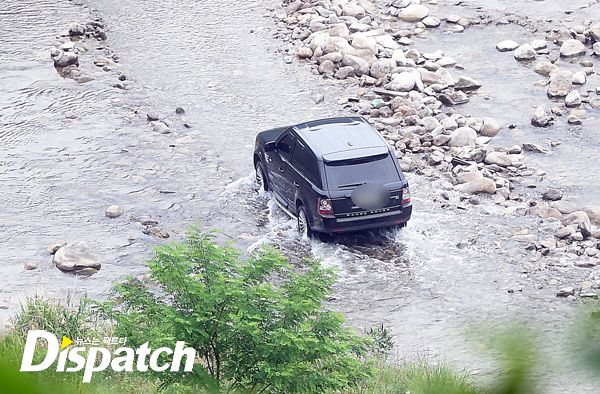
(582, 220)
(566, 292)
(413, 13)
(507, 46)
(305, 53)
(560, 84)
(466, 83)
(152, 116)
(114, 211)
(65, 59)
(75, 257)
(463, 136)
(383, 67)
(498, 158)
(53, 247)
(573, 99)
(76, 30)
(179, 111)
(156, 232)
(541, 117)
(490, 127)
(160, 127)
(571, 48)
(525, 52)
(552, 195)
(545, 68)
(574, 120)
(30, 265)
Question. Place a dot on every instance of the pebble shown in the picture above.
(114, 211)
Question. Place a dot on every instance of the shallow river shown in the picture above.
(429, 283)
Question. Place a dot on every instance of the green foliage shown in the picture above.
(258, 324)
(417, 378)
(382, 341)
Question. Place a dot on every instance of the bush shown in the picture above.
(257, 324)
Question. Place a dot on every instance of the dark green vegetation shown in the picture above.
(258, 324)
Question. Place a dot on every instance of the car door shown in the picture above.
(279, 167)
(305, 174)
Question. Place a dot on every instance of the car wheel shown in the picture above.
(261, 179)
(303, 225)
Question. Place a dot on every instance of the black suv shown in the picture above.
(333, 175)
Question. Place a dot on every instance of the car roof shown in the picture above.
(341, 138)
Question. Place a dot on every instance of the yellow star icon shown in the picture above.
(65, 342)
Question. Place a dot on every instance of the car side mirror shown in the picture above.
(270, 146)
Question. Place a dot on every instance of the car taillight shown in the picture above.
(324, 206)
(406, 197)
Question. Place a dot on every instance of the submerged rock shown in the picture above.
(76, 257)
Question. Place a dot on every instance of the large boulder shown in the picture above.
(490, 127)
(571, 48)
(76, 257)
(64, 59)
(413, 13)
(463, 136)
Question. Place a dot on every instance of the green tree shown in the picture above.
(258, 324)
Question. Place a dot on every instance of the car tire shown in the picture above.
(261, 177)
(303, 224)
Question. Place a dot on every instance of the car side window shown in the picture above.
(306, 163)
(285, 146)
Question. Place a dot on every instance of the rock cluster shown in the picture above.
(566, 46)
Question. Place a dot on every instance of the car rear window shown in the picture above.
(346, 174)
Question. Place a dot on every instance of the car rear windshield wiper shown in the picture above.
(350, 185)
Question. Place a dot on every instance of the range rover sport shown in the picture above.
(333, 175)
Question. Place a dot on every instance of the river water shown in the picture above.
(450, 269)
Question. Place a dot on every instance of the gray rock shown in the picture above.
(365, 42)
(383, 67)
(431, 21)
(552, 195)
(565, 292)
(595, 32)
(403, 82)
(564, 232)
(304, 53)
(53, 247)
(344, 72)
(327, 67)
(466, 83)
(75, 257)
(545, 68)
(463, 136)
(564, 207)
(571, 48)
(114, 211)
(353, 9)
(413, 13)
(579, 78)
(529, 147)
(573, 99)
(507, 45)
(541, 117)
(360, 65)
(160, 127)
(525, 52)
(498, 158)
(593, 212)
(30, 265)
(539, 44)
(582, 220)
(560, 84)
(65, 59)
(76, 30)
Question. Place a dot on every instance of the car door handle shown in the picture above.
(281, 169)
(296, 184)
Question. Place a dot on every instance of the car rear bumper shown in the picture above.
(377, 220)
